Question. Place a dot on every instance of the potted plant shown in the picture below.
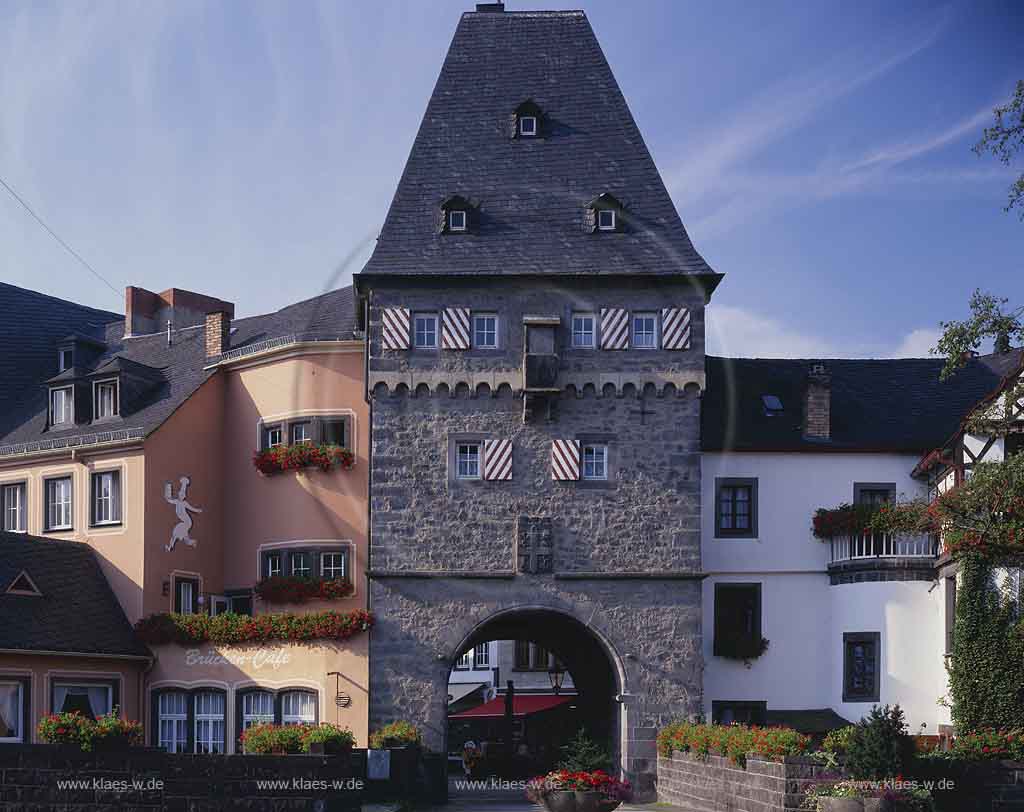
(111, 733)
(327, 739)
(581, 791)
(267, 738)
(395, 734)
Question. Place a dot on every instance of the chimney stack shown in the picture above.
(146, 312)
(218, 333)
(818, 403)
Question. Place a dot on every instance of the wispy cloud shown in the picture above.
(789, 105)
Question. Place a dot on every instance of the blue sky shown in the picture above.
(819, 154)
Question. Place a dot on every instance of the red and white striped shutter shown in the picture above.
(498, 460)
(675, 328)
(455, 330)
(565, 459)
(614, 328)
(395, 328)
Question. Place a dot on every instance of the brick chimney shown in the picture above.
(146, 312)
(218, 333)
(818, 403)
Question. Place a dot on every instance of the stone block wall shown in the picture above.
(718, 785)
(151, 779)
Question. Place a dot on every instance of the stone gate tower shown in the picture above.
(534, 312)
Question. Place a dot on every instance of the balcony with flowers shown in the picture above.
(891, 536)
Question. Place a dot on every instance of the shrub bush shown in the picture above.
(879, 746)
(990, 744)
(583, 754)
(395, 734)
(266, 738)
(229, 628)
(335, 739)
(733, 741)
(75, 728)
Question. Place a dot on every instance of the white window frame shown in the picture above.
(68, 403)
(307, 570)
(252, 715)
(20, 694)
(307, 432)
(61, 366)
(593, 331)
(114, 501)
(97, 388)
(477, 318)
(610, 226)
(465, 661)
(272, 556)
(468, 459)
(533, 126)
(451, 220)
(654, 330)
(209, 722)
(269, 432)
(481, 656)
(186, 585)
(344, 421)
(175, 744)
(50, 517)
(596, 450)
(20, 511)
(324, 573)
(427, 317)
(298, 718)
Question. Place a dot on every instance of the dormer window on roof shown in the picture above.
(62, 411)
(458, 216)
(65, 359)
(604, 213)
(772, 405)
(105, 399)
(527, 120)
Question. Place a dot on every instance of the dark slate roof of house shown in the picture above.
(895, 405)
(76, 610)
(530, 192)
(811, 722)
(171, 373)
(32, 326)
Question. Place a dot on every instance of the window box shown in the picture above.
(163, 628)
(299, 589)
(303, 455)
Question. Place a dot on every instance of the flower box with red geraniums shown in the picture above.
(303, 455)
(168, 627)
(299, 589)
(108, 732)
(581, 791)
(733, 741)
(983, 745)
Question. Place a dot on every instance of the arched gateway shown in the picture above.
(534, 313)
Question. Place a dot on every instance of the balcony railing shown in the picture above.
(883, 545)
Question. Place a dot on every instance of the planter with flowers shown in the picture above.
(107, 733)
(297, 456)
(395, 734)
(906, 518)
(168, 627)
(578, 791)
(323, 739)
(870, 796)
(740, 647)
(299, 589)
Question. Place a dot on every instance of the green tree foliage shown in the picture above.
(990, 319)
(879, 746)
(986, 670)
(1005, 138)
(583, 754)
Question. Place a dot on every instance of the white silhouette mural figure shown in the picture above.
(181, 509)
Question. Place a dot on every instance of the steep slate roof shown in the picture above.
(33, 324)
(174, 371)
(531, 192)
(76, 612)
(877, 405)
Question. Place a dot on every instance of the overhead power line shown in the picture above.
(54, 234)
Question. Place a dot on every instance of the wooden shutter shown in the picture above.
(498, 460)
(395, 328)
(614, 328)
(565, 459)
(675, 328)
(455, 328)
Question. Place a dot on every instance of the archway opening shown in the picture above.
(523, 685)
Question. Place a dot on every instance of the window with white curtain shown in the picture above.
(12, 706)
(257, 707)
(96, 699)
(58, 504)
(172, 721)
(106, 497)
(209, 722)
(14, 507)
(298, 707)
(105, 395)
(61, 411)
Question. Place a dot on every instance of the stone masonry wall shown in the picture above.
(718, 785)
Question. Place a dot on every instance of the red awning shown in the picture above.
(522, 705)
